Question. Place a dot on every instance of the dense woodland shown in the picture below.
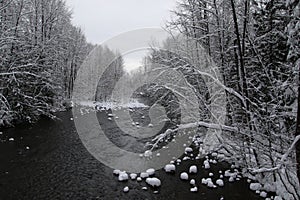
(40, 53)
(254, 44)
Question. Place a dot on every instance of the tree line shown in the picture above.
(255, 45)
(40, 53)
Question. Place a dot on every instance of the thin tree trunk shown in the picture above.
(298, 126)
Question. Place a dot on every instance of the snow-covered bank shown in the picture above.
(134, 103)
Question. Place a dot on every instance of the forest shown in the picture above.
(254, 44)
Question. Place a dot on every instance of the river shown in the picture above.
(47, 160)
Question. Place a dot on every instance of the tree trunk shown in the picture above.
(298, 127)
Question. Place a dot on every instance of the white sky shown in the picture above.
(103, 19)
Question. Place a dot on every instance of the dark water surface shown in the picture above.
(57, 166)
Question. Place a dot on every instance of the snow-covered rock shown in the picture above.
(192, 181)
(144, 175)
(154, 182)
(27, 148)
(148, 153)
(210, 174)
(206, 164)
(139, 179)
(133, 176)
(150, 125)
(126, 189)
(170, 168)
(144, 188)
(263, 194)
(193, 169)
(277, 198)
(116, 172)
(188, 150)
(204, 181)
(231, 179)
(150, 171)
(11, 139)
(184, 176)
(220, 182)
(194, 189)
(255, 186)
(186, 158)
(211, 184)
(123, 176)
(214, 154)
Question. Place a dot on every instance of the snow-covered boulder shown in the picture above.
(210, 174)
(192, 182)
(170, 168)
(11, 139)
(144, 175)
(123, 176)
(116, 172)
(263, 194)
(154, 182)
(277, 198)
(188, 150)
(193, 169)
(133, 176)
(184, 176)
(139, 179)
(150, 171)
(220, 182)
(255, 186)
(194, 189)
(206, 164)
(126, 189)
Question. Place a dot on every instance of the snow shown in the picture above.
(193, 169)
(220, 182)
(194, 189)
(214, 154)
(277, 198)
(133, 176)
(116, 172)
(144, 188)
(144, 175)
(112, 105)
(186, 158)
(150, 125)
(231, 179)
(206, 164)
(123, 176)
(255, 186)
(154, 182)
(184, 176)
(208, 182)
(11, 139)
(148, 153)
(210, 174)
(126, 189)
(188, 150)
(139, 179)
(192, 181)
(27, 148)
(263, 194)
(170, 168)
(150, 171)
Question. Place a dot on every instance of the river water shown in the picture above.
(57, 166)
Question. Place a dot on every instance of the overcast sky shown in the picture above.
(102, 19)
